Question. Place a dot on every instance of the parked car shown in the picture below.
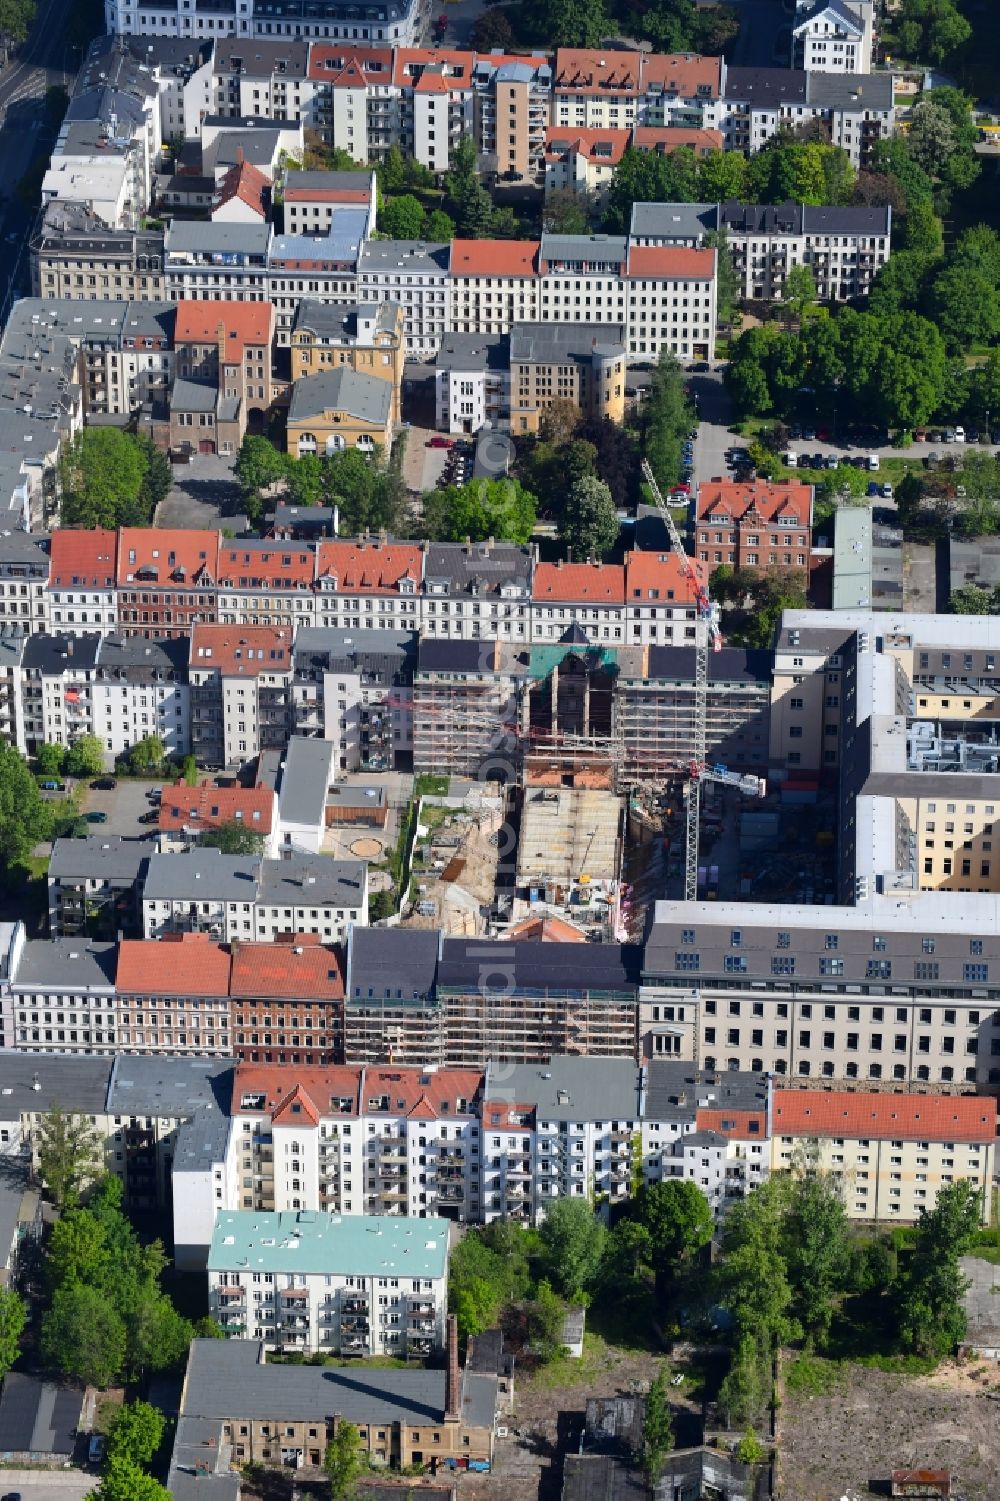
(960, 435)
(887, 491)
(152, 816)
(95, 1449)
(154, 794)
(104, 784)
(96, 816)
(948, 436)
(809, 434)
(873, 489)
(51, 786)
(440, 441)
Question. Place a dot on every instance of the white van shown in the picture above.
(873, 463)
(792, 459)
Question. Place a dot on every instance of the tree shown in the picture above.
(575, 23)
(146, 755)
(559, 421)
(25, 817)
(491, 29)
(12, 1320)
(931, 137)
(800, 290)
(101, 475)
(470, 200)
(722, 175)
(499, 508)
(258, 468)
(589, 524)
(816, 1249)
(158, 477)
(629, 1250)
(77, 1251)
(667, 418)
(727, 281)
(546, 1315)
(189, 771)
(922, 231)
(83, 1336)
(235, 838)
(615, 457)
(750, 1450)
(753, 1275)
(657, 1430)
(929, 30)
(85, 757)
(743, 1391)
(573, 1244)
(69, 1155)
(402, 218)
(965, 307)
(124, 1480)
(439, 228)
(970, 599)
(344, 1460)
(137, 1433)
(565, 213)
(678, 1220)
(931, 1314)
(50, 759)
(16, 17)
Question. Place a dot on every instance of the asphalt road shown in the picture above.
(61, 1485)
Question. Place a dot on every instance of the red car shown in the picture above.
(440, 441)
(682, 489)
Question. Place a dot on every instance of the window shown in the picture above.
(783, 965)
(976, 974)
(879, 969)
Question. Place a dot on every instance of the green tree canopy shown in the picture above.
(344, 1460)
(657, 1429)
(677, 1219)
(83, 1336)
(50, 759)
(85, 757)
(25, 817)
(136, 1433)
(573, 1240)
(589, 522)
(499, 508)
(148, 754)
(12, 1320)
(69, 1155)
(667, 417)
(971, 599)
(928, 31)
(402, 218)
(124, 1480)
(259, 467)
(816, 1249)
(235, 838)
(931, 1312)
(106, 480)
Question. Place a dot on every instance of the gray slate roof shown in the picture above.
(106, 857)
(673, 221)
(170, 1087)
(305, 778)
(71, 965)
(194, 396)
(850, 91)
(675, 1090)
(473, 352)
(71, 1080)
(550, 343)
(392, 963)
(202, 872)
(312, 880)
(767, 88)
(569, 1088)
(415, 257)
(54, 655)
(364, 397)
(227, 1378)
(559, 967)
(477, 568)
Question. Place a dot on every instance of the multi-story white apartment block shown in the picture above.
(845, 248)
(24, 568)
(601, 89)
(269, 78)
(320, 1283)
(94, 885)
(890, 1154)
(232, 897)
(397, 22)
(240, 678)
(756, 103)
(833, 36)
(355, 689)
(417, 276)
(62, 996)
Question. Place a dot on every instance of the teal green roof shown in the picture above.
(542, 659)
(309, 1241)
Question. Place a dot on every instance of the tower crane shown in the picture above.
(707, 633)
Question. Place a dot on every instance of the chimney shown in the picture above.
(452, 1399)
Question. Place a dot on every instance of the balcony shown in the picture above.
(355, 1305)
(293, 1294)
(417, 1303)
(230, 1294)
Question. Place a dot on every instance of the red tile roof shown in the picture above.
(662, 576)
(761, 498)
(902, 1117)
(602, 583)
(332, 62)
(302, 969)
(603, 147)
(667, 138)
(369, 567)
(329, 195)
(545, 930)
(296, 1104)
(167, 559)
(734, 1123)
(494, 257)
(279, 565)
(590, 70)
(413, 1089)
(459, 65)
(187, 964)
(202, 322)
(207, 807)
(670, 263)
(241, 650)
(682, 73)
(82, 559)
(247, 183)
(273, 1083)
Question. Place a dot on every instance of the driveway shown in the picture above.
(60, 1485)
(123, 806)
(204, 494)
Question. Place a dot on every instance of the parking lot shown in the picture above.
(124, 807)
(35, 1485)
(204, 494)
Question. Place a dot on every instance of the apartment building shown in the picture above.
(858, 108)
(755, 526)
(181, 71)
(583, 161)
(165, 580)
(644, 601)
(94, 885)
(286, 1001)
(240, 679)
(243, 897)
(466, 697)
(584, 365)
(601, 89)
(24, 571)
(512, 106)
(173, 996)
(267, 78)
(217, 261)
(62, 996)
(472, 382)
(186, 813)
(266, 584)
(655, 706)
(415, 275)
(833, 36)
(339, 409)
(253, 1412)
(476, 589)
(74, 254)
(325, 1284)
(368, 339)
(370, 583)
(891, 1154)
(227, 347)
(355, 688)
(353, 105)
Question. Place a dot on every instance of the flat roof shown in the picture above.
(71, 1080)
(306, 774)
(169, 1087)
(310, 1242)
(569, 1088)
(71, 965)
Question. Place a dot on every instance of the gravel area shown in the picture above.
(845, 1442)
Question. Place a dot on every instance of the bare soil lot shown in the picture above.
(845, 1441)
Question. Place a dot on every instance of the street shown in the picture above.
(36, 1485)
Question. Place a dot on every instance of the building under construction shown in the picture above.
(656, 711)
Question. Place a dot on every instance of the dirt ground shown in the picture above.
(845, 1442)
(467, 879)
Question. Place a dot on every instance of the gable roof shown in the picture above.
(208, 807)
(604, 582)
(202, 322)
(176, 559)
(603, 147)
(299, 969)
(593, 70)
(662, 576)
(493, 257)
(670, 263)
(345, 66)
(242, 650)
(266, 1086)
(905, 1117)
(82, 559)
(369, 566)
(249, 185)
(274, 565)
(187, 964)
(769, 501)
